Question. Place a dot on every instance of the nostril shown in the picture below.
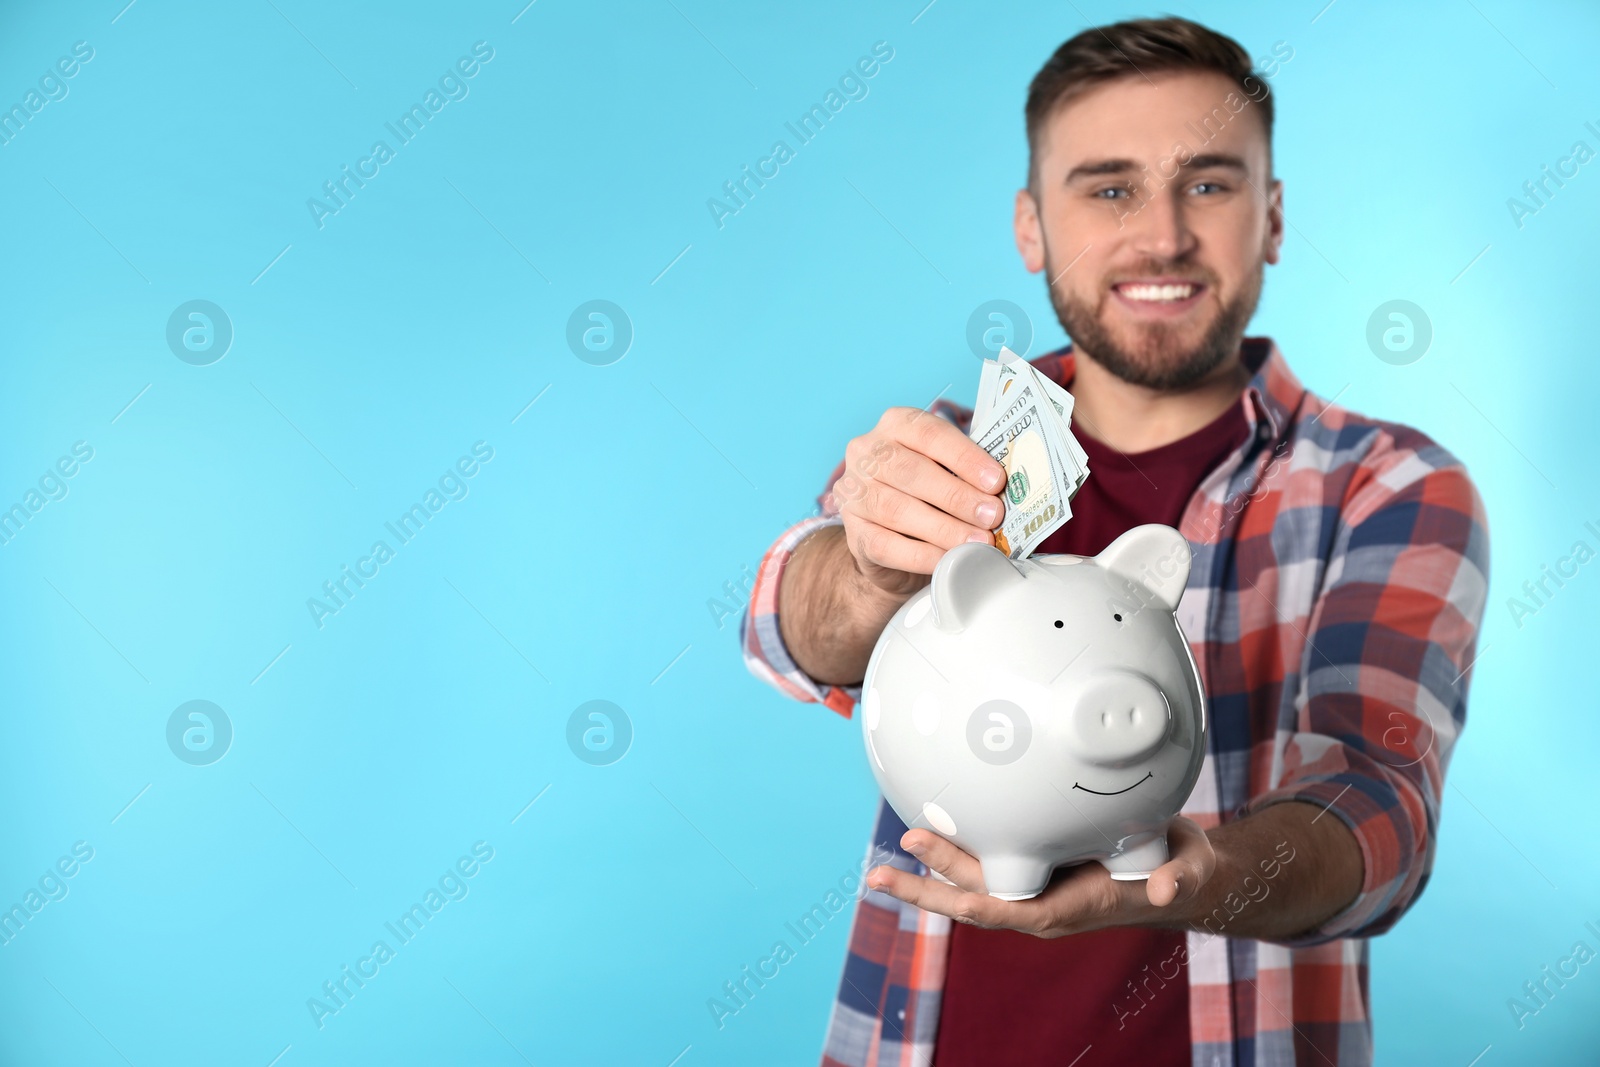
(1108, 719)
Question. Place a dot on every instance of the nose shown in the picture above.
(1159, 228)
(1120, 718)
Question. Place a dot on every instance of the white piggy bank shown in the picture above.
(1041, 712)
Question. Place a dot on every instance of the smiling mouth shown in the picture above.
(1148, 775)
(1160, 297)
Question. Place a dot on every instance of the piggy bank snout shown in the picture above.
(1119, 718)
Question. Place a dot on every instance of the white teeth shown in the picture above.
(1160, 293)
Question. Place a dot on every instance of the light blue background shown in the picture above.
(424, 317)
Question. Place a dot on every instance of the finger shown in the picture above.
(946, 858)
(1167, 883)
(918, 476)
(978, 909)
(875, 545)
(917, 519)
(945, 444)
(1191, 866)
(1187, 841)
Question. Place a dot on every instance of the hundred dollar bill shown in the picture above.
(1062, 401)
(1023, 419)
(1024, 441)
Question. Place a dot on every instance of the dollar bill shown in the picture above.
(1038, 488)
(1023, 420)
(1062, 401)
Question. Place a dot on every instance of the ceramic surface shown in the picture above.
(1041, 712)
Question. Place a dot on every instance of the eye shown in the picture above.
(1117, 616)
(1214, 186)
(1116, 191)
(1059, 624)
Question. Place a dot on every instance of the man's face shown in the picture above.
(1155, 214)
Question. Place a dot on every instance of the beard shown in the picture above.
(1159, 358)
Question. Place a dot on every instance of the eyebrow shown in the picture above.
(1204, 161)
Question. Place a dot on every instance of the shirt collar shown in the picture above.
(1273, 394)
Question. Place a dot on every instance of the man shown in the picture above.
(1337, 583)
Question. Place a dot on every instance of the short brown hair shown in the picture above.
(1137, 47)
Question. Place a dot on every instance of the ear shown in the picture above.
(1153, 556)
(968, 575)
(1274, 239)
(1028, 231)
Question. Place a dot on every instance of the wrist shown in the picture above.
(831, 613)
(1279, 871)
(883, 587)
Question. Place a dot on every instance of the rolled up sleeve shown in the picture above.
(765, 654)
(1384, 681)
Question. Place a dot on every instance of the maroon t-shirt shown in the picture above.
(1012, 998)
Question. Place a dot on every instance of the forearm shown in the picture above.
(1281, 871)
(830, 616)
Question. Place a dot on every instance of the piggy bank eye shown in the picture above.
(1059, 624)
(1117, 616)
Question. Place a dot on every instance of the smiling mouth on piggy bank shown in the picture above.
(1147, 776)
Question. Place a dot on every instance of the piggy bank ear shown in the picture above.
(966, 576)
(1154, 557)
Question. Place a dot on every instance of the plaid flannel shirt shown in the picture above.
(1338, 582)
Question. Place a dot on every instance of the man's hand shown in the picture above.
(914, 486)
(1272, 875)
(1078, 899)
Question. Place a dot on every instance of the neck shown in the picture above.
(1134, 418)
